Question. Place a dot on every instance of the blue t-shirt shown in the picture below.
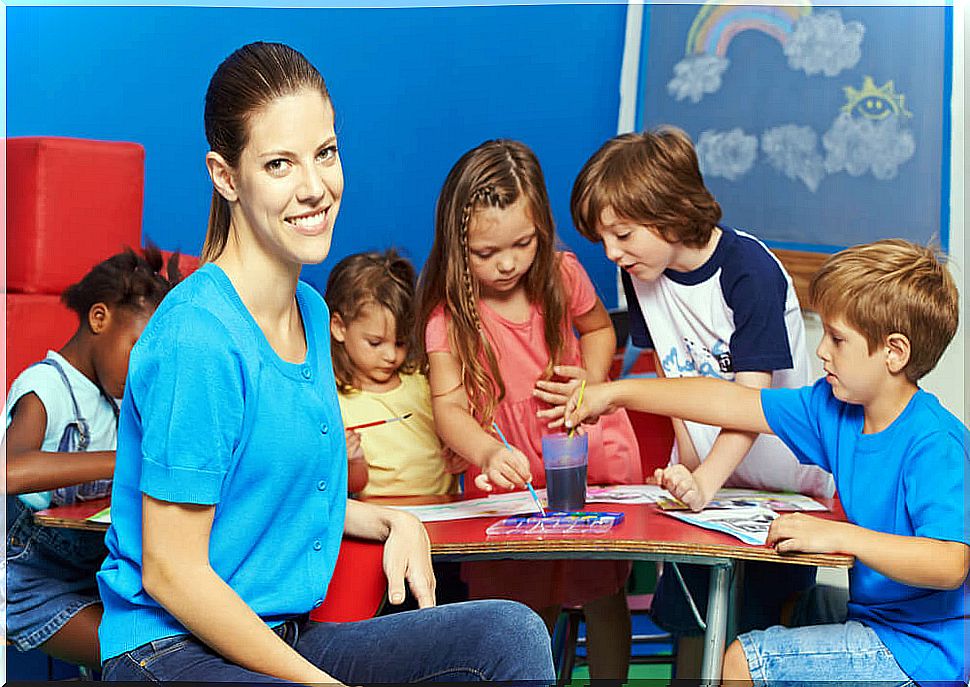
(212, 415)
(908, 479)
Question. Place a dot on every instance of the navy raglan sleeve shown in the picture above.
(755, 289)
(638, 325)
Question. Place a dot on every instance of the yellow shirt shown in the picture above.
(403, 458)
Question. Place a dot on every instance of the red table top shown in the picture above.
(646, 532)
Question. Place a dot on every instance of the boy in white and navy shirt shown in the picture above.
(710, 301)
(736, 313)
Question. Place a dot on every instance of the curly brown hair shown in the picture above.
(126, 280)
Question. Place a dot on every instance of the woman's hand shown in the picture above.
(407, 556)
(597, 400)
(556, 393)
(504, 468)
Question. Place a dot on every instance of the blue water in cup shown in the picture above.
(565, 460)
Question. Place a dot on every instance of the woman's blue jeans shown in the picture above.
(466, 642)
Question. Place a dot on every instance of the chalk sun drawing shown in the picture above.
(875, 103)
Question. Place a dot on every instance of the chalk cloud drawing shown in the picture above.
(823, 43)
(712, 31)
(728, 154)
(858, 145)
(697, 75)
(869, 134)
(793, 151)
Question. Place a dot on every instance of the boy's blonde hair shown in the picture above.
(650, 178)
(892, 286)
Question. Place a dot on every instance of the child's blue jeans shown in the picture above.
(464, 642)
(50, 576)
(841, 653)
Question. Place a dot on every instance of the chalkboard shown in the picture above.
(816, 127)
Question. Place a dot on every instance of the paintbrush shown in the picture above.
(579, 402)
(528, 485)
(379, 422)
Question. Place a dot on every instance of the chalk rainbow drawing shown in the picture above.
(716, 25)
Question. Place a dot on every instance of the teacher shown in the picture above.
(229, 498)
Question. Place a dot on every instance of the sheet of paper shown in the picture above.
(520, 502)
(626, 493)
(779, 502)
(487, 507)
(102, 516)
(749, 524)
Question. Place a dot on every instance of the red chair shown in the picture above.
(358, 586)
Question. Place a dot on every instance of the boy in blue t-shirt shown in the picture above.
(899, 459)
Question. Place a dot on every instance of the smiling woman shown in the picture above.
(231, 428)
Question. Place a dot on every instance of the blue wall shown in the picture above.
(413, 88)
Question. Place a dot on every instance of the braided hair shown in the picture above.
(496, 174)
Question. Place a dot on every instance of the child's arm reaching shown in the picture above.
(29, 469)
(597, 344)
(711, 401)
(460, 431)
(915, 561)
(695, 488)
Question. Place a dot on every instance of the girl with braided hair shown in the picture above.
(501, 308)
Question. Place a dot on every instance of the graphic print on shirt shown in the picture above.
(708, 362)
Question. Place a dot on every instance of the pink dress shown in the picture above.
(614, 457)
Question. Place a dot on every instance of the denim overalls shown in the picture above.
(52, 563)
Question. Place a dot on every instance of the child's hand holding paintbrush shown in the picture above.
(565, 381)
(505, 467)
(589, 402)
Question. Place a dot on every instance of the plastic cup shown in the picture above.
(565, 460)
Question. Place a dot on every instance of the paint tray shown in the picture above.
(556, 522)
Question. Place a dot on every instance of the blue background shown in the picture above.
(413, 90)
(908, 45)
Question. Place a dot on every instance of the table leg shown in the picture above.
(717, 619)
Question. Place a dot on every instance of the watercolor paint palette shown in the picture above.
(556, 522)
